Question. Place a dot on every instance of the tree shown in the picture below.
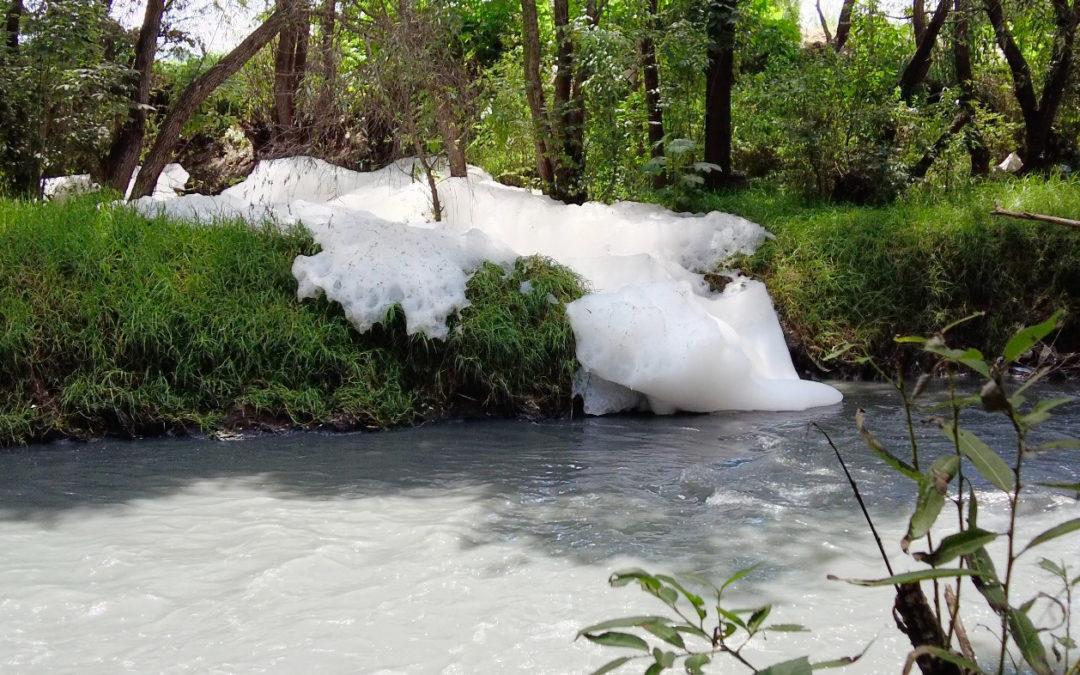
(651, 81)
(119, 164)
(719, 80)
(290, 64)
(1039, 111)
(195, 94)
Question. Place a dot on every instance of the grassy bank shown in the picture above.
(112, 323)
(857, 275)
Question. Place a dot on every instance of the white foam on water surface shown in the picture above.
(650, 334)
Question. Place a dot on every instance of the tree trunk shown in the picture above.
(843, 25)
(918, 19)
(973, 141)
(651, 77)
(327, 57)
(120, 163)
(194, 95)
(567, 114)
(1038, 114)
(11, 25)
(719, 80)
(824, 23)
(451, 134)
(919, 64)
(290, 60)
(534, 91)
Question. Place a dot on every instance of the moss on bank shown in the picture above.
(111, 323)
(859, 275)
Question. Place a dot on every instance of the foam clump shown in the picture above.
(651, 335)
(170, 183)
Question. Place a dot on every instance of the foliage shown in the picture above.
(688, 633)
(112, 323)
(58, 95)
(955, 551)
(849, 275)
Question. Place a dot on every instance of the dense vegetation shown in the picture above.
(112, 323)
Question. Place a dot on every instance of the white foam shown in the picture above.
(172, 181)
(651, 334)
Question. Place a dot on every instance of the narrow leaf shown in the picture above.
(1027, 639)
(611, 665)
(614, 639)
(665, 633)
(1051, 567)
(799, 666)
(909, 577)
(956, 545)
(787, 628)
(986, 579)
(732, 617)
(1062, 444)
(1042, 409)
(1053, 533)
(943, 654)
(988, 463)
(738, 575)
(972, 358)
(932, 489)
(874, 444)
(757, 618)
(1026, 338)
(626, 622)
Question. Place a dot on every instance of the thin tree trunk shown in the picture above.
(290, 61)
(534, 91)
(120, 163)
(919, 64)
(193, 97)
(978, 154)
(718, 84)
(567, 116)
(918, 19)
(824, 23)
(11, 25)
(843, 25)
(327, 57)
(919, 170)
(651, 77)
(448, 129)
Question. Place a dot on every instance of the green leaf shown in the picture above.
(1027, 639)
(932, 490)
(1053, 533)
(986, 579)
(799, 666)
(654, 669)
(757, 618)
(695, 663)
(626, 622)
(693, 630)
(1051, 567)
(613, 639)
(626, 576)
(693, 598)
(612, 665)
(735, 577)
(844, 660)
(1071, 487)
(732, 617)
(988, 463)
(874, 444)
(910, 577)
(954, 324)
(665, 633)
(943, 654)
(1026, 338)
(956, 545)
(664, 659)
(1042, 409)
(787, 628)
(668, 595)
(972, 358)
(1061, 444)
(680, 146)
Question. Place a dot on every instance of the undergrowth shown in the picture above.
(845, 275)
(111, 323)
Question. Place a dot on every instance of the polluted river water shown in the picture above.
(469, 547)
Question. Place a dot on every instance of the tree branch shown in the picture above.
(1027, 215)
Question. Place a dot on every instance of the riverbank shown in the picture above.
(846, 280)
(117, 324)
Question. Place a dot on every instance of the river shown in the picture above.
(463, 547)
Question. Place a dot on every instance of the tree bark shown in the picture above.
(918, 19)
(448, 129)
(534, 92)
(327, 57)
(978, 154)
(718, 84)
(194, 95)
(651, 78)
(1039, 115)
(120, 163)
(919, 64)
(290, 61)
(824, 23)
(11, 25)
(843, 25)
(567, 115)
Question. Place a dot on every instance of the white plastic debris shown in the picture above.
(651, 335)
(1011, 164)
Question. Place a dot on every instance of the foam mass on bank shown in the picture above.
(650, 334)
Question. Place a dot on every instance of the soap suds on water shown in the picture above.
(650, 335)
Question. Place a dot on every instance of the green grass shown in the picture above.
(114, 324)
(863, 275)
